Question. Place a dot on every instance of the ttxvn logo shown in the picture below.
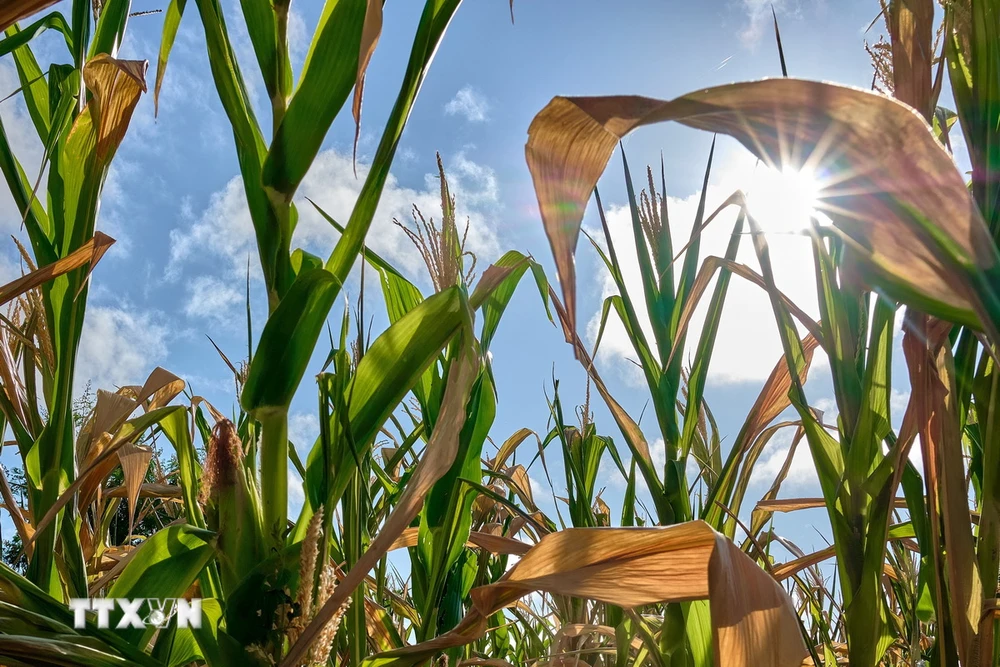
(138, 613)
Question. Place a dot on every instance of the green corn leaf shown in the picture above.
(80, 18)
(626, 312)
(273, 236)
(434, 21)
(171, 22)
(657, 309)
(304, 261)
(494, 298)
(20, 598)
(34, 89)
(706, 344)
(393, 364)
(873, 425)
(328, 75)
(446, 517)
(400, 294)
(287, 343)
(261, 25)
(48, 651)
(176, 647)
(837, 333)
(110, 29)
(973, 59)
(175, 426)
(54, 21)
(218, 647)
(164, 566)
(36, 220)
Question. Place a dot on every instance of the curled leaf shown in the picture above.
(12, 11)
(89, 253)
(370, 33)
(116, 86)
(891, 190)
(753, 620)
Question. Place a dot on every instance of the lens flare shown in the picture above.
(784, 200)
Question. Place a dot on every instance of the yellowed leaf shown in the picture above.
(135, 463)
(90, 253)
(753, 619)
(12, 11)
(150, 490)
(509, 445)
(934, 407)
(881, 168)
(521, 486)
(370, 32)
(17, 516)
(911, 24)
(116, 86)
(108, 433)
(794, 504)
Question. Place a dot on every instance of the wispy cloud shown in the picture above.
(469, 103)
(120, 346)
(214, 299)
(758, 17)
(223, 230)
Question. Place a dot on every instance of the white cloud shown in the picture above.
(214, 300)
(303, 429)
(296, 493)
(119, 346)
(897, 404)
(747, 346)
(759, 19)
(23, 142)
(538, 490)
(225, 231)
(470, 103)
(801, 473)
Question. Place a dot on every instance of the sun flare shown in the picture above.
(784, 200)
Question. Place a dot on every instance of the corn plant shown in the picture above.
(946, 252)
(902, 228)
(307, 286)
(80, 109)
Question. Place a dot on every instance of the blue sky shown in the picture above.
(175, 204)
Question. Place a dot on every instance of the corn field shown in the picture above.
(421, 538)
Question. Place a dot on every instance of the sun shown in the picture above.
(784, 200)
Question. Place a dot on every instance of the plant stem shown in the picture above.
(274, 474)
(279, 103)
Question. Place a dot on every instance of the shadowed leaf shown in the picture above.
(89, 253)
(886, 180)
(116, 85)
(753, 619)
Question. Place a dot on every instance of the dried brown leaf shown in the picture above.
(753, 619)
(12, 11)
(881, 166)
(117, 86)
(934, 409)
(135, 463)
(90, 253)
(370, 33)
